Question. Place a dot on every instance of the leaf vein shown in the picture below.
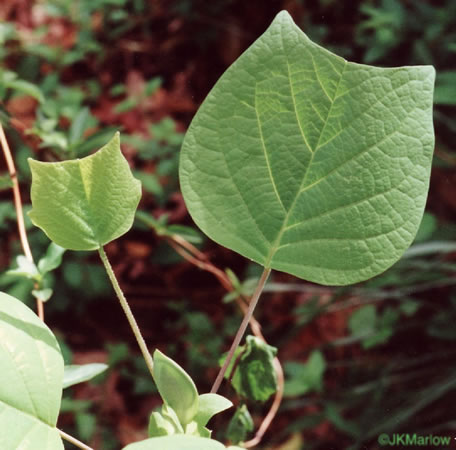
(349, 205)
(266, 156)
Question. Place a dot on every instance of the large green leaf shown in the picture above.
(31, 373)
(85, 203)
(310, 164)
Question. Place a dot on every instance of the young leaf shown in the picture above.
(363, 321)
(81, 122)
(25, 268)
(52, 259)
(31, 372)
(310, 164)
(164, 423)
(75, 374)
(85, 203)
(371, 327)
(240, 425)
(5, 182)
(209, 406)
(42, 294)
(255, 377)
(303, 378)
(176, 387)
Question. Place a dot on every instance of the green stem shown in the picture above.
(73, 440)
(126, 307)
(242, 328)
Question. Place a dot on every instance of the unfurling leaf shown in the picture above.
(176, 388)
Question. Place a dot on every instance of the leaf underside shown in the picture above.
(31, 372)
(85, 203)
(309, 164)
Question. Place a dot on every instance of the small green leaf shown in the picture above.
(83, 204)
(310, 164)
(75, 374)
(52, 259)
(152, 85)
(25, 268)
(189, 234)
(445, 92)
(31, 372)
(126, 105)
(5, 182)
(362, 321)
(371, 327)
(150, 182)
(240, 425)
(234, 280)
(42, 294)
(210, 405)
(427, 227)
(86, 424)
(409, 307)
(165, 423)
(384, 328)
(195, 429)
(255, 377)
(26, 88)
(307, 377)
(176, 387)
(336, 418)
(80, 124)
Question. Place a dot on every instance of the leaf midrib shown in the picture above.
(276, 244)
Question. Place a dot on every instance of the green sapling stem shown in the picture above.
(242, 328)
(126, 307)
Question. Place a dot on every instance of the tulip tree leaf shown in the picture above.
(310, 164)
(85, 203)
(31, 373)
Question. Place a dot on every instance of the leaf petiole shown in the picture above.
(126, 307)
(73, 440)
(242, 328)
